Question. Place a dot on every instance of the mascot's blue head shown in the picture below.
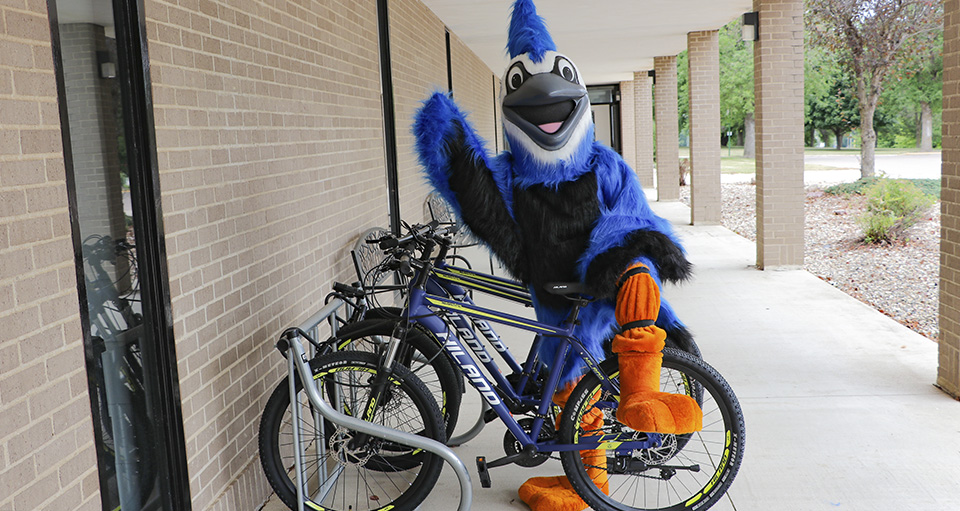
(546, 111)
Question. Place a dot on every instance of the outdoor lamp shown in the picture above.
(750, 31)
(108, 69)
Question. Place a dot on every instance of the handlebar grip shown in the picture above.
(347, 290)
(389, 243)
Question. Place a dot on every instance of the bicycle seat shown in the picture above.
(568, 290)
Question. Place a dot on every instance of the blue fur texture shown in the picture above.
(624, 207)
(528, 32)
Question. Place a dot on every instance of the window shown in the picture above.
(109, 154)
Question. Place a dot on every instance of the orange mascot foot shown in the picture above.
(556, 493)
(639, 347)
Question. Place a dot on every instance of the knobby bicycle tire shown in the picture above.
(346, 466)
(663, 477)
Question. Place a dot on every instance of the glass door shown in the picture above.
(121, 274)
(605, 108)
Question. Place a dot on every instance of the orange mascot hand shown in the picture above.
(639, 347)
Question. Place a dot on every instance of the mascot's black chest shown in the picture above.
(555, 226)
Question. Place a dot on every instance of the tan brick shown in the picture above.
(778, 60)
(16, 112)
(19, 323)
(667, 127)
(704, 88)
(948, 373)
(30, 230)
(15, 477)
(37, 492)
(643, 126)
(27, 26)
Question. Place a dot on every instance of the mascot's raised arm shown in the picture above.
(561, 207)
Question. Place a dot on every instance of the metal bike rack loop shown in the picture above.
(297, 363)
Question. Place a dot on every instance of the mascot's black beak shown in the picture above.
(547, 108)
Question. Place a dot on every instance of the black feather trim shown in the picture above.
(481, 204)
(605, 269)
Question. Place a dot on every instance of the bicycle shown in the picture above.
(374, 324)
(115, 370)
(675, 471)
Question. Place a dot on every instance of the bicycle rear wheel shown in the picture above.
(681, 472)
(337, 474)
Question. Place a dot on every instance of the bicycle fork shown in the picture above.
(378, 387)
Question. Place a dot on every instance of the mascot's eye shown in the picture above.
(564, 68)
(515, 77)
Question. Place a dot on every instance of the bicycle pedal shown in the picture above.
(483, 472)
(490, 416)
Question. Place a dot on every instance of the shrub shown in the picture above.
(855, 187)
(930, 187)
(893, 206)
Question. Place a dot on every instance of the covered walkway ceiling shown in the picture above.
(608, 40)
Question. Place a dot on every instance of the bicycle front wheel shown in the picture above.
(419, 351)
(680, 472)
(339, 473)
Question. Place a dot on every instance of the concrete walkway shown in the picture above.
(838, 399)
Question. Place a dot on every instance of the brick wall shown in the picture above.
(269, 142)
(419, 64)
(948, 376)
(778, 84)
(703, 51)
(47, 454)
(643, 126)
(473, 90)
(668, 128)
(628, 136)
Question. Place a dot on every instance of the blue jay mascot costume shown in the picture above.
(560, 207)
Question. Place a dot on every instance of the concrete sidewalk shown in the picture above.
(838, 399)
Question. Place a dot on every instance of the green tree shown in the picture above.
(683, 92)
(914, 99)
(872, 38)
(736, 81)
(829, 103)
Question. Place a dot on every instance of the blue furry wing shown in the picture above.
(479, 188)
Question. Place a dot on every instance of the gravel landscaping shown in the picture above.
(899, 280)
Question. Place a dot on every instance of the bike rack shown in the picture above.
(297, 364)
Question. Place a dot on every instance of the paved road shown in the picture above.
(918, 165)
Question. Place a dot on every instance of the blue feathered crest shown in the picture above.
(528, 32)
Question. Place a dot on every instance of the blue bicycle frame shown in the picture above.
(444, 294)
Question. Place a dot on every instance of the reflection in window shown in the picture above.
(120, 401)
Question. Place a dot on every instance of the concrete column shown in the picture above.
(668, 128)
(643, 126)
(778, 88)
(703, 52)
(628, 141)
(948, 374)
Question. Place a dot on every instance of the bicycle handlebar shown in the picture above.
(416, 232)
